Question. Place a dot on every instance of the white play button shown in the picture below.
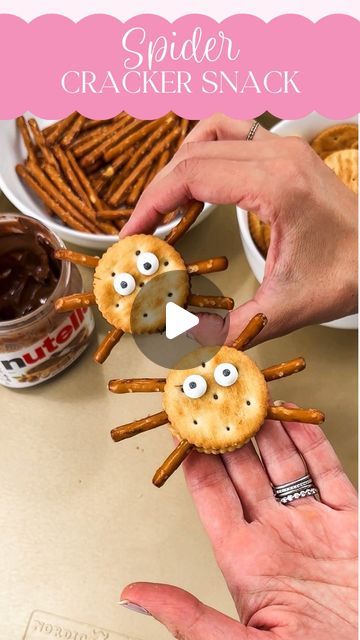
(178, 320)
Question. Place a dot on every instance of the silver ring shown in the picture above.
(294, 490)
(253, 130)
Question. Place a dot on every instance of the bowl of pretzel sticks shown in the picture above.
(83, 177)
(336, 142)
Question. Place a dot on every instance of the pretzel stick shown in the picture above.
(139, 426)
(71, 176)
(41, 142)
(140, 385)
(89, 213)
(185, 223)
(207, 266)
(24, 132)
(85, 183)
(48, 201)
(59, 128)
(55, 195)
(310, 416)
(106, 346)
(92, 124)
(120, 130)
(77, 258)
(109, 171)
(73, 130)
(284, 369)
(210, 302)
(114, 215)
(74, 301)
(184, 127)
(252, 329)
(87, 140)
(134, 138)
(137, 189)
(143, 164)
(172, 463)
(160, 164)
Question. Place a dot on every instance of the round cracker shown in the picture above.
(225, 422)
(336, 138)
(345, 164)
(121, 257)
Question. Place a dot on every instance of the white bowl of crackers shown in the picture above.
(83, 177)
(336, 142)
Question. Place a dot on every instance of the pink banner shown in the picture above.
(194, 66)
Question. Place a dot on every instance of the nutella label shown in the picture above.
(47, 357)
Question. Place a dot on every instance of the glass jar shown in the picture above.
(42, 343)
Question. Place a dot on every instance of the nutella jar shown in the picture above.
(36, 342)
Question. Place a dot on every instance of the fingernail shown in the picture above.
(278, 403)
(134, 607)
(188, 335)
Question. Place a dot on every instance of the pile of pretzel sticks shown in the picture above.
(91, 173)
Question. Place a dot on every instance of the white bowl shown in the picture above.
(13, 152)
(306, 127)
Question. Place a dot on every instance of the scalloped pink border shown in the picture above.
(35, 55)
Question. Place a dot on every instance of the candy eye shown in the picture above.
(194, 386)
(226, 374)
(124, 284)
(147, 263)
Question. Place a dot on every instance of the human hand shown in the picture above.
(291, 570)
(311, 266)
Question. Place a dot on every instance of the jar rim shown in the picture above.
(56, 243)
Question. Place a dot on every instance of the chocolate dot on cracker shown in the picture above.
(216, 406)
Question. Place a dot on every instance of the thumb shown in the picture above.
(216, 330)
(185, 616)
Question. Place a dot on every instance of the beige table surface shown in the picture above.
(79, 517)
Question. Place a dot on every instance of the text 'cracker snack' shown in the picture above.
(123, 278)
(338, 147)
(91, 173)
(215, 406)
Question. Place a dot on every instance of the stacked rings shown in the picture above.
(253, 129)
(300, 488)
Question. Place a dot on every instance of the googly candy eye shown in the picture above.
(147, 263)
(194, 386)
(124, 284)
(226, 374)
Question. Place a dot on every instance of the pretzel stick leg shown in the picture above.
(252, 329)
(104, 349)
(74, 301)
(277, 371)
(211, 302)
(77, 258)
(185, 223)
(139, 426)
(140, 385)
(207, 266)
(172, 463)
(310, 416)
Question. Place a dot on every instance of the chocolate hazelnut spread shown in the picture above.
(28, 271)
(36, 343)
